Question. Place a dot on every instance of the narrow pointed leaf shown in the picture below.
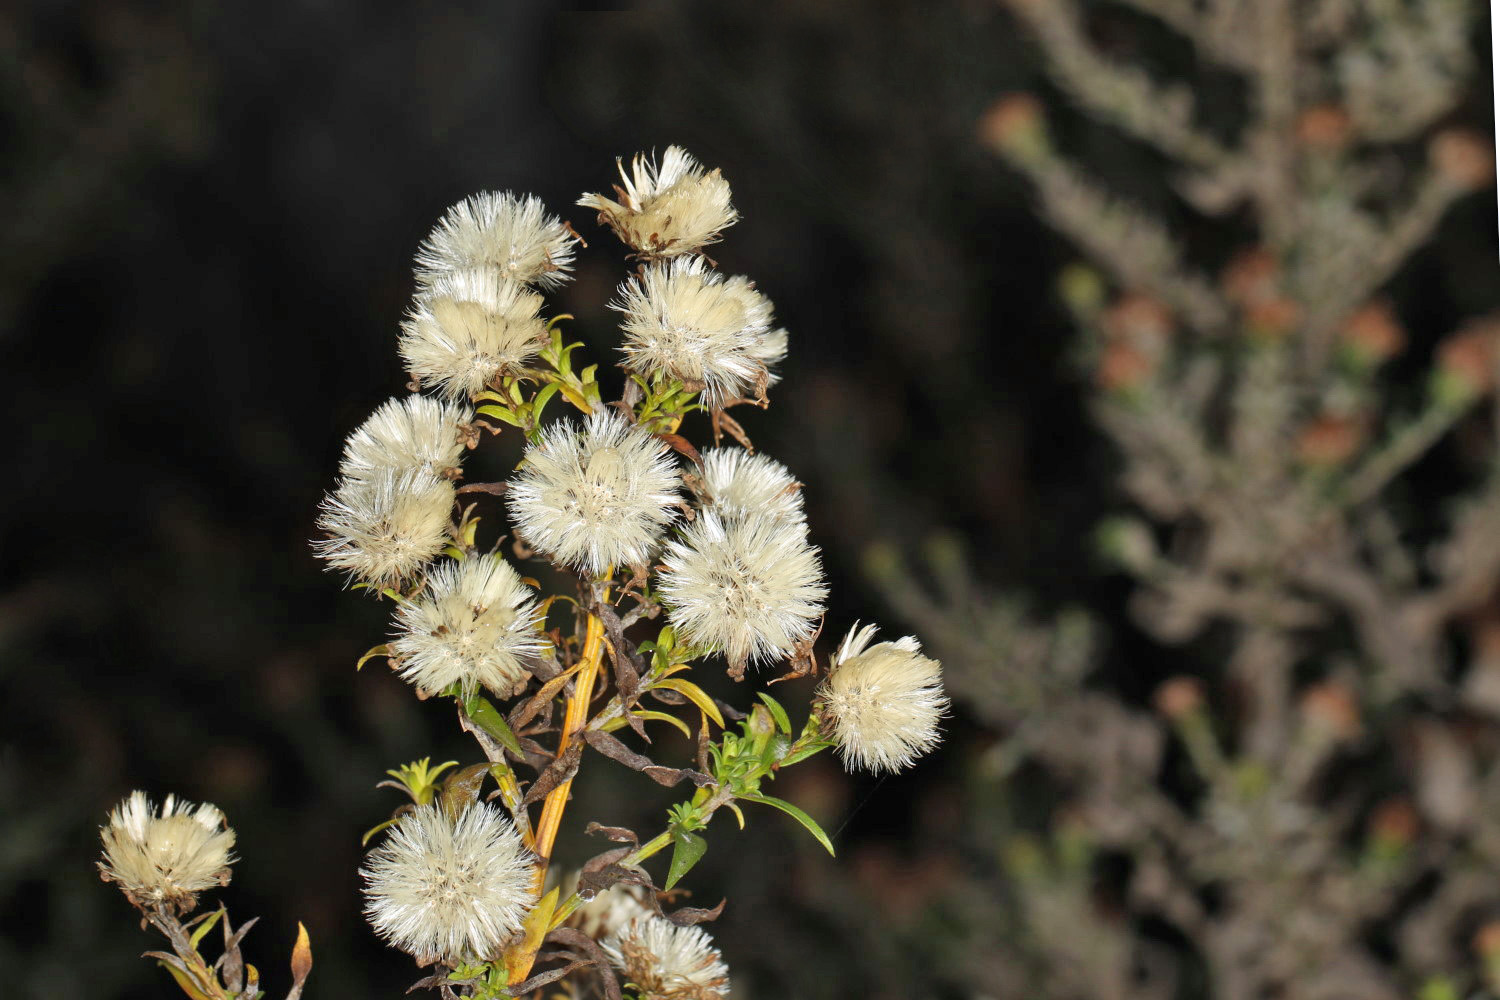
(694, 694)
(777, 712)
(380, 650)
(488, 718)
(796, 814)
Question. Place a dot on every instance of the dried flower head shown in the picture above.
(594, 497)
(744, 484)
(686, 321)
(883, 701)
(748, 587)
(165, 858)
(662, 212)
(513, 236)
(469, 327)
(473, 624)
(667, 962)
(446, 890)
(384, 528)
(417, 432)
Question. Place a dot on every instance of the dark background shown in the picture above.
(209, 216)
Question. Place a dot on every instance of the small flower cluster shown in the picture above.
(164, 858)
(717, 543)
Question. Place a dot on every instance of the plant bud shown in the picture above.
(1330, 441)
(1331, 707)
(1013, 126)
(1324, 128)
(1179, 697)
(1372, 334)
(1252, 276)
(1462, 158)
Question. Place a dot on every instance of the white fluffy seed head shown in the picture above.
(449, 891)
(883, 702)
(685, 320)
(665, 211)
(416, 432)
(468, 327)
(745, 484)
(165, 858)
(594, 497)
(382, 529)
(748, 587)
(770, 351)
(474, 624)
(667, 962)
(514, 236)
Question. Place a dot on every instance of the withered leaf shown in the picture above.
(574, 938)
(560, 770)
(619, 834)
(689, 915)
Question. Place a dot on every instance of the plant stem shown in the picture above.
(574, 719)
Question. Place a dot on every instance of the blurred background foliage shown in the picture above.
(209, 216)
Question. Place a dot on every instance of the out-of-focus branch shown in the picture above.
(1123, 95)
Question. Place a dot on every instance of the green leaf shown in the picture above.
(687, 850)
(500, 413)
(796, 814)
(797, 756)
(782, 722)
(488, 718)
(541, 399)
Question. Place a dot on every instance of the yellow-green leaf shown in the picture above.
(650, 716)
(380, 650)
(694, 694)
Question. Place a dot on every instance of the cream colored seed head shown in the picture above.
(446, 890)
(513, 236)
(594, 497)
(684, 320)
(165, 858)
(667, 962)
(745, 484)
(384, 528)
(474, 624)
(469, 327)
(747, 587)
(416, 432)
(883, 702)
(663, 212)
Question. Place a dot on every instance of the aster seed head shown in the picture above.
(685, 320)
(667, 962)
(416, 432)
(743, 484)
(449, 889)
(883, 702)
(165, 858)
(747, 587)
(469, 327)
(382, 529)
(473, 624)
(665, 211)
(513, 236)
(596, 496)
